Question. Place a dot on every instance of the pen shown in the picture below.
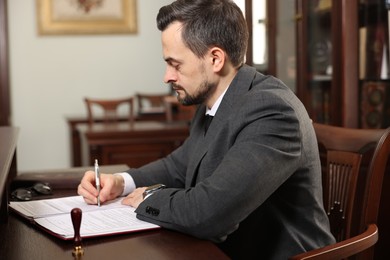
(97, 181)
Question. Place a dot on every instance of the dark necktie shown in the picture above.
(207, 122)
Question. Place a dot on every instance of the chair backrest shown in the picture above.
(110, 108)
(150, 103)
(353, 163)
(175, 111)
(340, 181)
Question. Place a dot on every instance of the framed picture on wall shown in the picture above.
(86, 17)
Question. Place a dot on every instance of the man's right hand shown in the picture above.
(111, 187)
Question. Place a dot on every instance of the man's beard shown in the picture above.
(204, 91)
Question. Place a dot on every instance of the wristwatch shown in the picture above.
(152, 189)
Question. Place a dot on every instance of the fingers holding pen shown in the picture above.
(87, 188)
(88, 197)
(111, 187)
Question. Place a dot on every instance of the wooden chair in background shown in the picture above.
(150, 103)
(353, 163)
(175, 111)
(150, 106)
(109, 109)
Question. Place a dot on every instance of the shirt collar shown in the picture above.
(211, 111)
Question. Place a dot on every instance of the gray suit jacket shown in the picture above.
(252, 184)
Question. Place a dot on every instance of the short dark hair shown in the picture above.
(209, 23)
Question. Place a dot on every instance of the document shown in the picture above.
(53, 215)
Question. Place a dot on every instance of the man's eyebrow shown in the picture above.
(171, 60)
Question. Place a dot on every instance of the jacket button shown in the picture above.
(152, 211)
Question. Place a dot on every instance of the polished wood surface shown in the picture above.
(8, 137)
(134, 144)
(21, 240)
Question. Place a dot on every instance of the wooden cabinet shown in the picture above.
(132, 144)
(374, 83)
(327, 60)
(342, 61)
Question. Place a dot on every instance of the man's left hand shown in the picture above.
(135, 198)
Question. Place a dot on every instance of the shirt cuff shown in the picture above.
(129, 183)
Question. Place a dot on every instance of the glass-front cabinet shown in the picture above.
(319, 72)
(342, 61)
(374, 83)
(318, 45)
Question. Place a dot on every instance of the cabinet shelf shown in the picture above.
(322, 78)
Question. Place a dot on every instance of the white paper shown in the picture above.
(43, 208)
(54, 215)
(96, 223)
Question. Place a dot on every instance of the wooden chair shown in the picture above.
(353, 163)
(343, 249)
(150, 103)
(110, 110)
(175, 111)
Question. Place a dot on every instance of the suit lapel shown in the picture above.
(240, 85)
(200, 148)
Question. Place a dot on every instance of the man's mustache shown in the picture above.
(176, 87)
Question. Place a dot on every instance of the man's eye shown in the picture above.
(174, 65)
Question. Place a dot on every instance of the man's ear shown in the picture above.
(217, 56)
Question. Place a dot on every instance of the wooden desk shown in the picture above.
(21, 240)
(133, 144)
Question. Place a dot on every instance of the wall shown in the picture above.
(50, 76)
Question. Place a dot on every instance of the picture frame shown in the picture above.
(56, 17)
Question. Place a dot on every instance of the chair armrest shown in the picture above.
(345, 248)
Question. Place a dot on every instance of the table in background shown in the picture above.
(21, 240)
(73, 122)
(134, 144)
(75, 143)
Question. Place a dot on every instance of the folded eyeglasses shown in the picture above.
(26, 194)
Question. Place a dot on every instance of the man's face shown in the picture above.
(188, 75)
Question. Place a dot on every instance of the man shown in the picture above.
(252, 182)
